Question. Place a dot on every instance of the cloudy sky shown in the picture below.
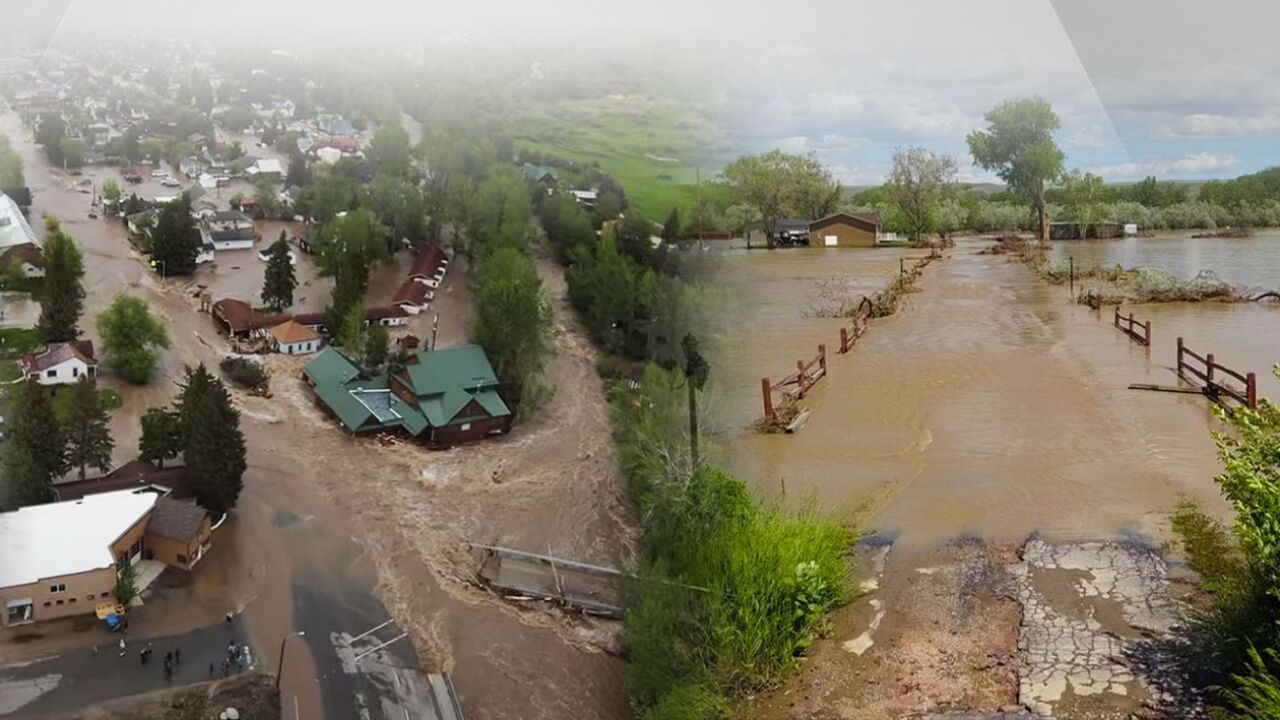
(1176, 88)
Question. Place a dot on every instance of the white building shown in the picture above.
(60, 363)
(14, 229)
(292, 338)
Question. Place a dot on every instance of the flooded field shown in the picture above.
(990, 409)
(1253, 261)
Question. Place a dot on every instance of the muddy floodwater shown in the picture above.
(990, 404)
(1252, 262)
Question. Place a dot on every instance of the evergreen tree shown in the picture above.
(161, 436)
(671, 228)
(63, 298)
(175, 242)
(348, 289)
(25, 481)
(88, 439)
(352, 335)
(35, 433)
(298, 173)
(377, 346)
(215, 448)
(279, 281)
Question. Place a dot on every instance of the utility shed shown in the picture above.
(845, 230)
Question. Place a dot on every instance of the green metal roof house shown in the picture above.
(441, 397)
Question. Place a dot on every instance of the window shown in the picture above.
(60, 602)
(88, 598)
(51, 373)
(60, 587)
(75, 371)
(466, 427)
(182, 559)
(71, 600)
(47, 603)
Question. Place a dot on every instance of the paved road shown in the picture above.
(75, 679)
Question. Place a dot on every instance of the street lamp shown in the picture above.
(280, 662)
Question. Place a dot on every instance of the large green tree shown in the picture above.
(376, 347)
(10, 165)
(389, 151)
(63, 299)
(88, 439)
(1084, 195)
(279, 281)
(175, 242)
(215, 450)
(1018, 145)
(512, 317)
(161, 436)
(776, 184)
(36, 443)
(918, 183)
(131, 338)
(499, 214)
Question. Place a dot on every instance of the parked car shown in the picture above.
(159, 173)
(170, 181)
(132, 178)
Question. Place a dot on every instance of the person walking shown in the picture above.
(121, 646)
(168, 658)
(177, 656)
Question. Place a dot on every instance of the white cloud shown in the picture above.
(1088, 137)
(1202, 163)
(1200, 126)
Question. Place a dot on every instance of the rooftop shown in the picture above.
(58, 353)
(176, 519)
(37, 542)
(14, 229)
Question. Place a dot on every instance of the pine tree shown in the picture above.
(377, 346)
(63, 298)
(88, 439)
(175, 242)
(279, 283)
(25, 482)
(671, 228)
(215, 448)
(161, 436)
(37, 436)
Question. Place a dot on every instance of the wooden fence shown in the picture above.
(1139, 331)
(797, 384)
(1207, 370)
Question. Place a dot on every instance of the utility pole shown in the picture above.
(435, 328)
(698, 199)
(695, 373)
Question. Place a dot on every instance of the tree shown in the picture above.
(264, 191)
(10, 165)
(132, 150)
(348, 292)
(161, 436)
(776, 184)
(126, 583)
(26, 482)
(214, 444)
(376, 347)
(236, 118)
(49, 133)
(175, 242)
(512, 317)
(63, 299)
(279, 282)
(299, 172)
(351, 334)
(398, 204)
(918, 183)
(88, 439)
(499, 213)
(1084, 199)
(671, 228)
(111, 190)
(131, 338)
(389, 151)
(1018, 145)
(72, 151)
(35, 432)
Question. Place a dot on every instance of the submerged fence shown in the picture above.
(1139, 331)
(796, 385)
(1207, 370)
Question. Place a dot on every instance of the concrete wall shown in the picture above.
(137, 533)
(64, 373)
(82, 592)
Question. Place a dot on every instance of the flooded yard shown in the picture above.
(1252, 262)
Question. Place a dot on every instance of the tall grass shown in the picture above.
(731, 592)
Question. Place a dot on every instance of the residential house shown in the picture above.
(391, 315)
(140, 223)
(292, 338)
(413, 296)
(228, 239)
(265, 166)
(14, 229)
(440, 397)
(336, 125)
(846, 230)
(542, 174)
(61, 363)
(429, 266)
(208, 251)
(48, 571)
(191, 166)
(27, 259)
(229, 220)
(586, 198)
(237, 318)
(265, 253)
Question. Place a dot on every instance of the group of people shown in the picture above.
(238, 657)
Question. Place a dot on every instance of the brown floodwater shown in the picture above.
(1252, 262)
(988, 405)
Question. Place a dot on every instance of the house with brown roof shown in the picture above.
(178, 533)
(60, 363)
(293, 338)
(26, 258)
(845, 230)
(413, 296)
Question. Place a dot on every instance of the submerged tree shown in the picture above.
(131, 338)
(917, 185)
(279, 282)
(1018, 145)
(161, 436)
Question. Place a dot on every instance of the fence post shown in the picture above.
(822, 357)
(766, 389)
(844, 339)
(1251, 390)
(802, 379)
(1147, 327)
(1208, 361)
(1179, 355)
(1116, 319)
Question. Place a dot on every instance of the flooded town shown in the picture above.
(470, 363)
